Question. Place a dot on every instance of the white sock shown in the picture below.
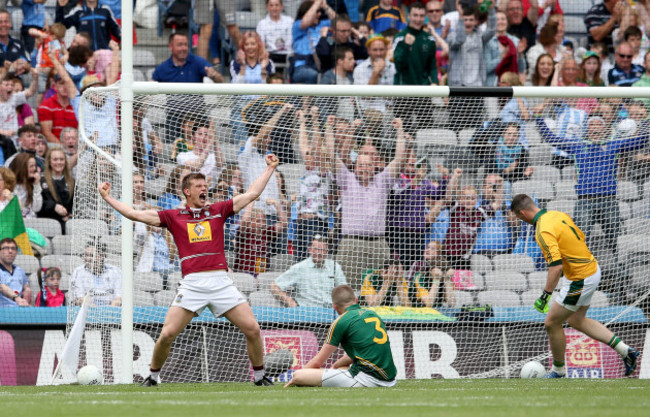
(258, 374)
(621, 348)
(155, 375)
(558, 369)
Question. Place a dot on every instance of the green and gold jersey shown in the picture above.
(562, 242)
(362, 334)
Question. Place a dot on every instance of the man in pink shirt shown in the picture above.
(364, 198)
(198, 233)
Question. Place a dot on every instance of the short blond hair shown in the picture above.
(343, 296)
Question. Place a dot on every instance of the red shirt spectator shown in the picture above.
(253, 242)
(56, 112)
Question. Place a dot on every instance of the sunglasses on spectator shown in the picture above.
(625, 56)
(434, 10)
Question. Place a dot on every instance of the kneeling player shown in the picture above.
(368, 360)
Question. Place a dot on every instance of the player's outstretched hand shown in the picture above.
(272, 160)
(105, 190)
(541, 304)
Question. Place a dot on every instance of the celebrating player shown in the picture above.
(368, 361)
(563, 245)
(198, 233)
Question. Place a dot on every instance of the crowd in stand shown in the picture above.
(369, 209)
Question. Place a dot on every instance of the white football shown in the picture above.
(533, 369)
(90, 375)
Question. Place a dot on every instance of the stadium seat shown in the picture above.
(28, 263)
(243, 281)
(566, 190)
(173, 280)
(631, 244)
(579, 7)
(263, 299)
(569, 173)
(86, 227)
(33, 283)
(230, 151)
(265, 279)
(164, 298)
(144, 58)
(627, 191)
(529, 297)
(532, 135)
(565, 206)
(435, 141)
(147, 281)
(67, 263)
(599, 299)
(546, 173)
(540, 155)
(463, 298)
(626, 210)
(541, 190)
(513, 262)
(481, 264)
(47, 227)
(575, 25)
(537, 280)
(138, 75)
(637, 225)
(281, 262)
(149, 74)
(479, 282)
(465, 137)
(16, 20)
(501, 298)
(639, 209)
(506, 280)
(143, 298)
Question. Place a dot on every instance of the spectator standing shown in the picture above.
(90, 17)
(495, 233)
(10, 100)
(590, 70)
(7, 185)
(596, 166)
(496, 53)
(328, 45)
(431, 279)
(205, 156)
(14, 285)
(415, 64)
(307, 30)
(50, 295)
(58, 187)
(364, 195)
(520, 25)
(385, 16)
(377, 69)
(12, 51)
(275, 30)
(24, 111)
(255, 237)
(28, 184)
(56, 112)
(101, 280)
(172, 198)
(624, 73)
(34, 17)
(342, 71)
(70, 143)
(311, 281)
(602, 19)
(466, 45)
(27, 138)
(382, 286)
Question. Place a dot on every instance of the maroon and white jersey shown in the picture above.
(199, 235)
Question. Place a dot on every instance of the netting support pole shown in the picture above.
(126, 121)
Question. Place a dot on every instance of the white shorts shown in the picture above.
(575, 294)
(338, 378)
(214, 290)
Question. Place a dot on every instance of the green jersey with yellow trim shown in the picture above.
(362, 334)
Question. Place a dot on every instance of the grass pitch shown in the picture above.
(448, 398)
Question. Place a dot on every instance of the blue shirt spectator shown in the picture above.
(182, 66)
(13, 280)
(385, 16)
(624, 73)
(93, 18)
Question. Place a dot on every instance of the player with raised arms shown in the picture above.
(563, 245)
(368, 360)
(198, 232)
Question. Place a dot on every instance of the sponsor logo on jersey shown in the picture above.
(199, 232)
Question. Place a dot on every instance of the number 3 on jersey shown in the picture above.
(384, 336)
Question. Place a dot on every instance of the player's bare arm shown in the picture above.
(149, 217)
(256, 188)
(317, 361)
(343, 362)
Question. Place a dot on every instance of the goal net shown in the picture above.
(404, 198)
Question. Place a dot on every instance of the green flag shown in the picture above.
(12, 225)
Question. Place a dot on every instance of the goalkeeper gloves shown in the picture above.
(541, 304)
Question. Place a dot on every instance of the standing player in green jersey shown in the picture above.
(368, 360)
